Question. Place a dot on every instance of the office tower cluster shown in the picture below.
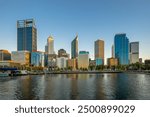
(123, 52)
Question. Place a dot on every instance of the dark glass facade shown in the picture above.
(26, 35)
(74, 48)
(121, 43)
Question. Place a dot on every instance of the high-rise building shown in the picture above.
(50, 45)
(99, 50)
(46, 49)
(121, 47)
(83, 59)
(74, 48)
(134, 52)
(26, 35)
(63, 53)
(37, 59)
(5, 55)
(72, 63)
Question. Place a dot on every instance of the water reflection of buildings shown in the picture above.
(24, 87)
(52, 87)
(105, 86)
(74, 94)
(29, 87)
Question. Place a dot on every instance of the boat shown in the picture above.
(20, 72)
(4, 74)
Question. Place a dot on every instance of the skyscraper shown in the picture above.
(121, 45)
(99, 52)
(134, 52)
(46, 48)
(63, 53)
(50, 45)
(74, 48)
(26, 35)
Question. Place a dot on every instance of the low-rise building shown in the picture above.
(112, 62)
(5, 55)
(61, 62)
(140, 60)
(9, 64)
(22, 57)
(92, 63)
(37, 59)
(147, 62)
(52, 61)
(99, 61)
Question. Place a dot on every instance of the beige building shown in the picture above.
(72, 63)
(22, 57)
(50, 45)
(83, 59)
(99, 49)
(112, 62)
(5, 55)
(9, 64)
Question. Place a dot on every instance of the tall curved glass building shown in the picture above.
(121, 47)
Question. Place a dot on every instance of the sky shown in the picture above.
(90, 19)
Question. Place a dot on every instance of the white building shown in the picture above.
(22, 57)
(50, 45)
(61, 62)
(134, 52)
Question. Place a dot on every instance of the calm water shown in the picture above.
(76, 86)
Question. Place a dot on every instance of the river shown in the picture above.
(104, 86)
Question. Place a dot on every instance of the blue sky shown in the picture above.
(90, 19)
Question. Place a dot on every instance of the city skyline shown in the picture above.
(92, 20)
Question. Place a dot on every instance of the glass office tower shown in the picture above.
(121, 44)
(26, 35)
(74, 48)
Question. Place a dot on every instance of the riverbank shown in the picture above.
(137, 72)
(78, 72)
(88, 72)
(82, 72)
